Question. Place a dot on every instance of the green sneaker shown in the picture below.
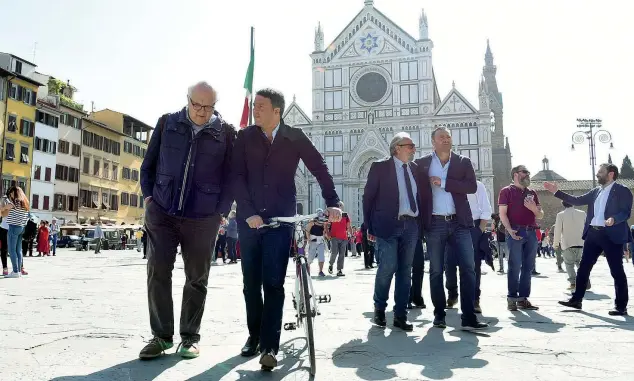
(188, 349)
(155, 348)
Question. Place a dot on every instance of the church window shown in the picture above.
(354, 139)
(415, 137)
(409, 94)
(335, 164)
(425, 91)
(409, 71)
(333, 100)
(472, 154)
(333, 78)
(465, 136)
(334, 143)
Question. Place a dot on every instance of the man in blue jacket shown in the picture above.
(185, 182)
(606, 230)
(265, 159)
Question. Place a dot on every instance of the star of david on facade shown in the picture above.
(369, 42)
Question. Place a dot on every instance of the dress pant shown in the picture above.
(197, 239)
(418, 271)
(596, 242)
(264, 259)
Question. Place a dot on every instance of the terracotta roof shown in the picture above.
(579, 185)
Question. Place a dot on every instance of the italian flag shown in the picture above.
(248, 86)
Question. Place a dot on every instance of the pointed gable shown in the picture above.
(369, 33)
(455, 104)
(295, 116)
(370, 140)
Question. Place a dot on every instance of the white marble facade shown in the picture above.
(373, 81)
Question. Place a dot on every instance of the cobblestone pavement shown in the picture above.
(81, 316)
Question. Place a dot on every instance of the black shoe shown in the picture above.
(371, 266)
(474, 326)
(268, 361)
(330, 269)
(535, 273)
(379, 318)
(439, 322)
(451, 302)
(251, 347)
(155, 348)
(616, 312)
(403, 324)
(340, 273)
(576, 304)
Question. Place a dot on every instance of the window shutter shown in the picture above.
(21, 126)
(47, 174)
(46, 202)
(54, 148)
(20, 93)
(36, 201)
(33, 98)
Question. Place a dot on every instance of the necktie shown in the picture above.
(410, 193)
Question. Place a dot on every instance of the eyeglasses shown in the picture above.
(198, 106)
(410, 145)
(524, 172)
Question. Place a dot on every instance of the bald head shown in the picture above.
(202, 101)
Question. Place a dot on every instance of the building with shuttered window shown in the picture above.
(20, 97)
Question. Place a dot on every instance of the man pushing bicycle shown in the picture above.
(265, 159)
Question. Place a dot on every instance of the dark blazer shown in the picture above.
(461, 180)
(381, 198)
(618, 206)
(264, 172)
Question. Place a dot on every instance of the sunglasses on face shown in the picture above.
(410, 145)
(524, 172)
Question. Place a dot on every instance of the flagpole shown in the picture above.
(251, 95)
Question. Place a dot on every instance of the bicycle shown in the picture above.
(305, 300)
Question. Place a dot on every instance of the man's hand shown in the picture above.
(147, 200)
(435, 181)
(609, 221)
(513, 235)
(551, 187)
(531, 205)
(255, 222)
(334, 214)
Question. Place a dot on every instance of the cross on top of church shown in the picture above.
(454, 100)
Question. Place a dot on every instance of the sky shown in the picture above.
(557, 60)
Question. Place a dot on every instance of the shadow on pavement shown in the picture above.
(626, 324)
(536, 321)
(592, 296)
(220, 370)
(289, 363)
(130, 370)
(375, 358)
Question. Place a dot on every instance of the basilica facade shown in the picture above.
(375, 80)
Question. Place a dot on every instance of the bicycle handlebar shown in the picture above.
(275, 222)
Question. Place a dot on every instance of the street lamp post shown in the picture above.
(590, 130)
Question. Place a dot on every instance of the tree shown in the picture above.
(609, 158)
(627, 171)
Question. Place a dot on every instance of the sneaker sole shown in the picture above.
(188, 355)
(150, 357)
(473, 329)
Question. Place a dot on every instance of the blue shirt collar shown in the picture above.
(274, 131)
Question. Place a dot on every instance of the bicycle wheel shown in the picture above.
(308, 315)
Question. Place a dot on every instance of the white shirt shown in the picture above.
(599, 206)
(569, 226)
(442, 201)
(405, 209)
(479, 203)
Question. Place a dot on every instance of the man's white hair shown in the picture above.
(396, 140)
(202, 85)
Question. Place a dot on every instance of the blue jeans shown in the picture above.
(396, 255)
(521, 264)
(54, 243)
(451, 262)
(265, 257)
(440, 234)
(231, 248)
(14, 239)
